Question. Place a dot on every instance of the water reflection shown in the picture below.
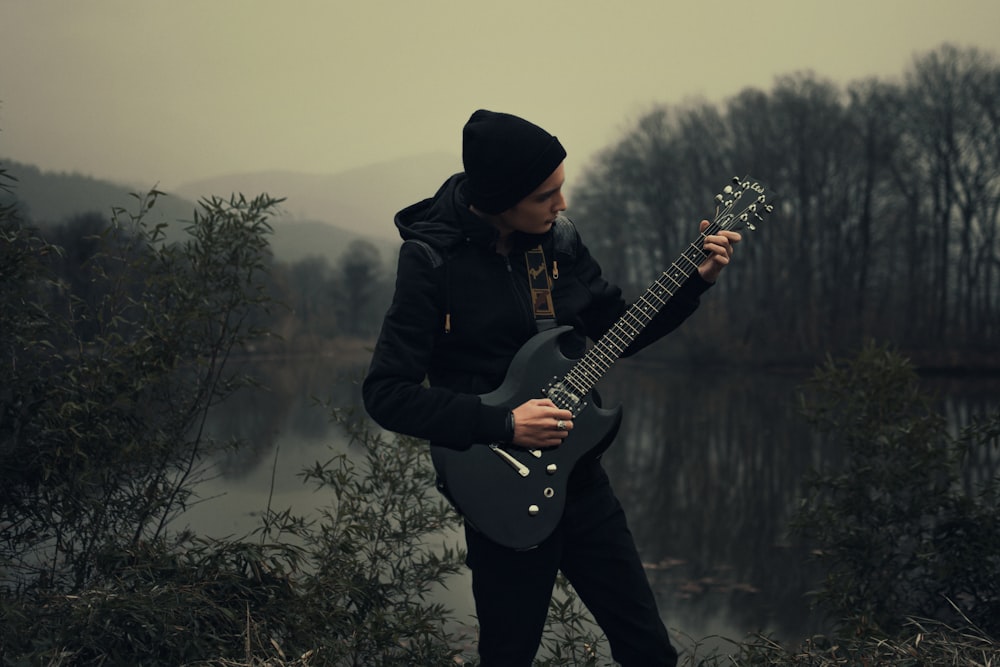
(708, 471)
(282, 427)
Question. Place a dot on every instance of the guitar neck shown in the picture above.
(589, 370)
(740, 205)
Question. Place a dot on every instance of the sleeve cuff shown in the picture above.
(491, 424)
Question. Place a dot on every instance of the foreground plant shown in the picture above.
(899, 526)
(109, 366)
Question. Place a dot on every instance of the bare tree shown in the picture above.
(888, 220)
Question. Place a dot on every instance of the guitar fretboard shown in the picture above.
(586, 373)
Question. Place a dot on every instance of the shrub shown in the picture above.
(898, 531)
(102, 403)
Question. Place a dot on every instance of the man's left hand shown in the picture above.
(720, 246)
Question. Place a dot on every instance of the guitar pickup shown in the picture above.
(521, 469)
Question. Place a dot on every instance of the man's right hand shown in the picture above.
(539, 423)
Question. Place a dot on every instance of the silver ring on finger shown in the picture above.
(561, 425)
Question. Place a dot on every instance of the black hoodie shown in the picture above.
(461, 311)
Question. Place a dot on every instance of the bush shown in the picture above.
(899, 533)
(374, 556)
(102, 401)
(156, 603)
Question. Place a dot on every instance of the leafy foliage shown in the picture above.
(375, 555)
(572, 637)
(105, 393)
(899, 531)
(111, 361)
(156, 603)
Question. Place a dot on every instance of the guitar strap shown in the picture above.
(541, 288)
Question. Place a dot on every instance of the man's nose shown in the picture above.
(560, 202)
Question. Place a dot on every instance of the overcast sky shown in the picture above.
(169, 91)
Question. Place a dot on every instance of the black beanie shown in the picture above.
(505, 159)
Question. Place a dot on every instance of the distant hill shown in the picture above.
(294, 240)
(50, 198)
(321, 216)
(362, 200)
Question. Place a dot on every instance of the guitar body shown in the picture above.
(513, 509)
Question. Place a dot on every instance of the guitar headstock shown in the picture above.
(743, 203)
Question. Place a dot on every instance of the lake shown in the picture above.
(708, 471)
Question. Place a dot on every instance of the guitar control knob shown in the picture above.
(533, 510)
(551, 468)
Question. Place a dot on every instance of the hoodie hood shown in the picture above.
(444, 220)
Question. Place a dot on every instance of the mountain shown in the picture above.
(294, 240)
(322, 213)
(50, 198)
(362, 200)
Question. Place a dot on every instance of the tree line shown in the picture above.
(314, 299)
(887, 220)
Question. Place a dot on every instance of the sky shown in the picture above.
(165, 92)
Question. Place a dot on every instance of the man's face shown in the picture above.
(536, 213)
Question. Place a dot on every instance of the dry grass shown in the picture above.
(925, 643)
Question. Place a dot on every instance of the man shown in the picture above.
(461, 310)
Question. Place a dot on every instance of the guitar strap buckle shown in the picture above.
(540, 286)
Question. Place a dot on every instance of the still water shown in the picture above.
(708, 472)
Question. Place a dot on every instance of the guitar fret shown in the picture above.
(677, 283)
(694, 264)
(615, 343)
(591, 380)
(601, 357)
(580, 388)
(642, 300)
(659, 298)
(633, 330)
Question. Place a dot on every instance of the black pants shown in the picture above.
(594, 549)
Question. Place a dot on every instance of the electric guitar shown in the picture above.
(516, 496)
